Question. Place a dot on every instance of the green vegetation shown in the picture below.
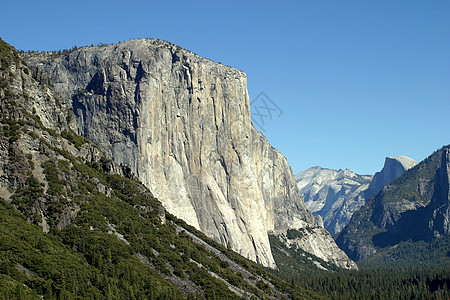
(294, 233)
(12, 289)
(60, 272)
(295, 262)
(80, 257)
(73, 230)
(382, 221)
(419, 271)
(83, 91)
(406, 254)
(378, 283)
(7, 55)
(250, 266)
(10, 129)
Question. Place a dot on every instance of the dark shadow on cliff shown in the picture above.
(420, 224)
(412, 225)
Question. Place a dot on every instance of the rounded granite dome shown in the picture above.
(405, 161)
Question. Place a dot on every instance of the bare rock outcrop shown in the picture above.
(393, 168)
(182, 123)
(333, 195)
(336, 195)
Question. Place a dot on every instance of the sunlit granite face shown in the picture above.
(182, 123)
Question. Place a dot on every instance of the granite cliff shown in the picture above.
(71, 227)
(182, 124)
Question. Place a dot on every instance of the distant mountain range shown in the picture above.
(334, 195)
(414, 207)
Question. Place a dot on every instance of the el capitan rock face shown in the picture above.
(182, 123)
(59, 191)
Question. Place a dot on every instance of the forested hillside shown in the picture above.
(412, 207)
(410, 270)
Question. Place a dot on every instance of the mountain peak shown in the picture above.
(329, 194)
(393, 167)
(336, 194)
(415, 207)
(405, 161)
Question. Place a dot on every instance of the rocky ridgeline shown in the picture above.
(182, 123)
(414, 207)
(393, 168)
(335, 195)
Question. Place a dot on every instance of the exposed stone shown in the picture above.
(393, 168)
(318, 241)
(182, 124)
(319, 220)
(334, 195)
(439, 223)
(415, 207)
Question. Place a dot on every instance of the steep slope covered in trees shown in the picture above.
(413, 207)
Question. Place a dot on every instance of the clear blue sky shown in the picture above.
(356, 80)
